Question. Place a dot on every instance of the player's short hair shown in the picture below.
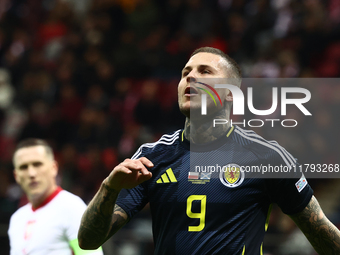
(31, 142)
(233, 67)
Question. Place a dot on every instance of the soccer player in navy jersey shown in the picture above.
(205, 212)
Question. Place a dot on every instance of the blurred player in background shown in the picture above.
(211, 215)
(49, 223)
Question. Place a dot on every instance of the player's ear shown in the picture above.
(55, 168)
(15, 176)
(229, 96)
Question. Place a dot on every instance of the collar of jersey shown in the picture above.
(207, 146)
(48, 199)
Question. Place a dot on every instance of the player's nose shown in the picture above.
(191, 78)
(32, 172)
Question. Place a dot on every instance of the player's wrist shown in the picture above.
(107, 185)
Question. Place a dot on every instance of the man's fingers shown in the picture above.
(141, 176)
(142, 169)
(144, 177)
(123, 169)
(136, 165)
(130, 173)
(146, 162)
(133, 165)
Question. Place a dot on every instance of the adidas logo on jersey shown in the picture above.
(167, 177)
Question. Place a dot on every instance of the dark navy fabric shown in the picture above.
(234, 217)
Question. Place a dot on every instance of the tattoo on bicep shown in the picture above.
(119, 210)
(119, 219)
(321, 233)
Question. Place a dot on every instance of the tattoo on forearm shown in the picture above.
(101, 219)
(320, 232)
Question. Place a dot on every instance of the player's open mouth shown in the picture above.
(190, 91)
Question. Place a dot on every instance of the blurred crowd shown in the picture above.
(97, 78)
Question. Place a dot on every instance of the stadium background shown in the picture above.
(99, 78)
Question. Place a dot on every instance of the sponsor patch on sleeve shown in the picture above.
(301, 183)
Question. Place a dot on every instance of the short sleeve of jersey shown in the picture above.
(288, 193)
(11, 232)
(285, 193)
(132, 200)
(76, 208)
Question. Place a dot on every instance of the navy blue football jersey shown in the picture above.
(200, 200)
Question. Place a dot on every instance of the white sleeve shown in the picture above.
(76, 208)
(74, 215)
(9, 232)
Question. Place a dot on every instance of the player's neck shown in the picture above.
(37, 200)
(203, 131)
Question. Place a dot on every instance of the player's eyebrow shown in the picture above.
(199, 67)
(186, 68)
(22, 166)
(34, 163)
(205, 66)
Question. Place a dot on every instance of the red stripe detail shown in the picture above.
(212, 89)
(48, 199)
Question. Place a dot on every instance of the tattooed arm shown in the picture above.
(103, 217)
(321, 233)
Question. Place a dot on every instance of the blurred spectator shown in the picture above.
(96, 98)
(105, 76)
(39, 121)
(84, 136)
(198, 19)
(143, 17)
(70, 104)
(7, 93)
(148, 111)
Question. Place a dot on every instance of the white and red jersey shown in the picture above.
(48, 229)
